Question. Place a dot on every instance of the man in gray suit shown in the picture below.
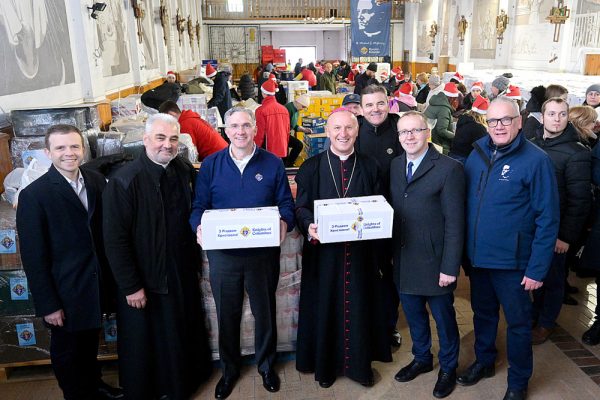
(427, 192)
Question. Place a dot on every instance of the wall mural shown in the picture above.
(483, 37)
(35, 46)
(112, 39)
(149, 37)
(424, 47)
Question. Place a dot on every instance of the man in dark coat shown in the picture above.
(365, 79)
(59, 219)
(340, 326)
(427, 191)
(572, 164)
(221, 97)
(378, 138)
(163, 345)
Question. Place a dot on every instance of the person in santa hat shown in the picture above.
(169, 90)
(441, 107)
(470, 127)
(514, 93)
(476, 90)
(221, 97)
(403, 100)
(272, 122)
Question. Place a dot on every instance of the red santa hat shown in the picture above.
(396, 70)
(384, 75)
(450, 89)
(513, 92)
(273, 77)
(458, 77)
(480, 105)
(400, 76)
(210, 71)
(404, 90)
(171, 73)
(269, 88)
(336, 62)
(354, 67)
(477, 85)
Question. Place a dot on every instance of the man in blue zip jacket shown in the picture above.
(244, 175)
(512, 226)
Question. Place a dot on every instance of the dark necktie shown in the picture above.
(410, 172)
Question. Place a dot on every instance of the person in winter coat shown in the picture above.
(365, 79)
(499, 86)
(590, 258)
(584, 119)
(206, 139)
(272, 122)
(422, 88)
(169, 90)
(246, 87)
(307, 75)
(221, 97)
(592, 99)
(512, 221)
(471, 127)
(327, 79)
(533, 122)
(435, 87)
(440, 108)
(403, 100)
(572, 163)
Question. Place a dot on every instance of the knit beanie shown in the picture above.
(594, 88)
(501, 83)
(372, 67)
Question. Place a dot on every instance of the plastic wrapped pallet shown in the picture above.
(126, 107)
(10, 256)
(36, 121)
(213, 117)
(15, 297)
(194, 102)
(23, 338)
(19, 146)
(287, 298)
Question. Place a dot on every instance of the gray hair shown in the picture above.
(234, 110)
(163, 118)
(506, 100)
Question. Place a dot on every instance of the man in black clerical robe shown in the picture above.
(163, 345)
(341, 326)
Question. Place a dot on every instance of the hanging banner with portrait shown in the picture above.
(370, 23)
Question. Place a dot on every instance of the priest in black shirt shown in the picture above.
(341, 327)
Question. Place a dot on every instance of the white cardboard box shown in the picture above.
(237, 228)
(350, 219)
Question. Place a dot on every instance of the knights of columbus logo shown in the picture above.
(245, 231)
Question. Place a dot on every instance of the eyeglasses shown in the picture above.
(505, 121)
(245, 126)
(406, 132)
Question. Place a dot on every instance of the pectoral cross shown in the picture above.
(558, 16)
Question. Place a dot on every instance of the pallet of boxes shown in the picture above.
(322, 103)
(24, 339)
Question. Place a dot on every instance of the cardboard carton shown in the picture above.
(351, 219)
(240, 228)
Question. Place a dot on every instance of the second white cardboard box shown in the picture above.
(238, 228)
(355, 218)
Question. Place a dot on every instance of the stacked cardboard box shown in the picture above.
(287, 298)
(314, 143)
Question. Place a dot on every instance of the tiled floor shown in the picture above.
(563, 369)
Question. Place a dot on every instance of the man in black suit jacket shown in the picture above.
(59, 219)
(428, 195)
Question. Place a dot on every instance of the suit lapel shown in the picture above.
(426, 164)
(64, 189)
(90, 192)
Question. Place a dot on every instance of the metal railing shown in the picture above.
(283, 9)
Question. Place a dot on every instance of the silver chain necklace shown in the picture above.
(333, 177)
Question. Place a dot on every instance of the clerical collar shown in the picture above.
(342, 158)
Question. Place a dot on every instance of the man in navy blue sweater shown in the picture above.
(242, 176)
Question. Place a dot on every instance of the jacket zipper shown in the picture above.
(481, 192)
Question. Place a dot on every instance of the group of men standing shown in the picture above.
(144, 229)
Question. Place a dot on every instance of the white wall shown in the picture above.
(90, 85)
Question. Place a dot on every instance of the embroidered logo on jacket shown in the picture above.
(505, 173)
(258, 177)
